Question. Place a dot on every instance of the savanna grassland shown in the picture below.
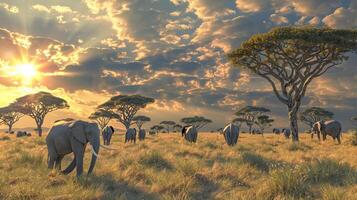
(167, 167)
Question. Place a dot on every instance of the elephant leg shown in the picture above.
(339, 139)
(70, 167)
(79, 162)
(318, 136)
(58, 162)
(51, 162)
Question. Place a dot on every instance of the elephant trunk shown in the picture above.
(95, 150)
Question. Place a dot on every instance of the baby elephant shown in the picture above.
(130, 135)
(332, 128)
(189, 133)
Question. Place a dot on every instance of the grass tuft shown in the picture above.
(354, 139)
(330, 171)
(288, 182)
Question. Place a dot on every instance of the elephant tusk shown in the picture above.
(109, 148)
(94, 153)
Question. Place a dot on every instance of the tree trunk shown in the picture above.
(250, 129)
(10, 128)
(39, 130)
(294, 124)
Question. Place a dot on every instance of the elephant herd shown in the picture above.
(67, 137)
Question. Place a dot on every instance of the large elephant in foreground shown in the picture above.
(189, 133)
(231, 134)
(130, 135)
(332, 128)
(65, 138)
(107, 134)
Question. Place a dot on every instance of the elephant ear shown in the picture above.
(112, 129)
(78, 131)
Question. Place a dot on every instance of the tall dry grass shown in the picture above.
(167, 167)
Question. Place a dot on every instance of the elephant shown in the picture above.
(183, 131)
(65, 138)
(332, 128)
(286, 132)
(276, 131)
(21, 133)
(142, 134)
(231, 134)
(189, 133)
(107, 134)
(130, 135)
(256, 131)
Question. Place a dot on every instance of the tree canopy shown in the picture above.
(248, 114)
(103, 117)
(197, 121)
(314, 114)
(157, 128)
(289, 58)
(38, 105)
(263, 122)
(168, 125)
(9, 115)
(140, 120)
(126, 106)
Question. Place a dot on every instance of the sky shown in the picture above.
(172, 50)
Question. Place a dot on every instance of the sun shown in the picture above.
(25, 71)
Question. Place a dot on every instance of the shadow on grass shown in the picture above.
(207, 188)
(114, 189)
(261, 163)
(155, 160)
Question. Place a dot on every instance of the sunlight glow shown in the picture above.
(24, 71)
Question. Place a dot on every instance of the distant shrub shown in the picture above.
(154, 160)
(330, 171)
(288, 182)
(354, 139)
(256, 160)
(4, 138)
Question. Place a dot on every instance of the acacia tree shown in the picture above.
(168, 125)
(197, 121)
(248, 114)
(9, 115)
(289, 58)
(314, 114)
(126, 106)
(140, 120)
(103, 117)
(157, 128)
(263, 122)
(38, 105)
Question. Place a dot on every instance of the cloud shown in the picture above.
(342, 18)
